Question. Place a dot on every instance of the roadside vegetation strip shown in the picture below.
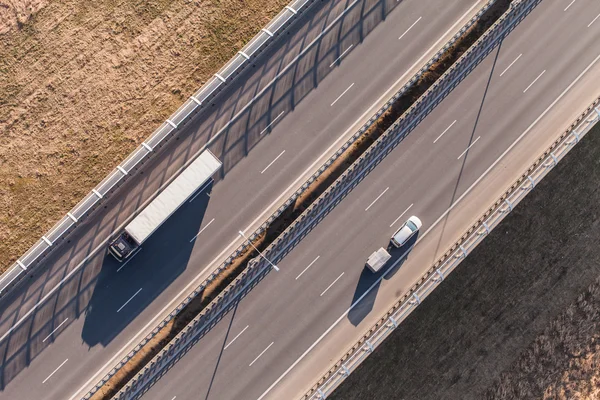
(521, 187)
(335, 168)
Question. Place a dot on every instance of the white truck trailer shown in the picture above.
(196, 175)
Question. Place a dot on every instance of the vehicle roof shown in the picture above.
(166, 203)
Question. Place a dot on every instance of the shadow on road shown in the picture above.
(369, 282)
(76, 278)
(122, 291)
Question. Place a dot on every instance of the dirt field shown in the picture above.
(82, 83)
(520, 318)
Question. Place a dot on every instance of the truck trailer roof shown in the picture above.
(175, 194)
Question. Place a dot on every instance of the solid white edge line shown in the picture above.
(263, 352)
(272, 162)
(511, 64)
(202, 230)
(332, 283)
(341, 55)
(238, 335)
(445, 130)
(542, 115)
(405, 211)
(378, 197)
(309, 265)
(260, 216)
(467, 149)
(131, 298)
(343, 93)
(534, 81)
(57, 328)
(53, 372)
(406, 31)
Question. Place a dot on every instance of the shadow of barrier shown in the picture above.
(198, 102)
(78, 291)
(333, 196)
(163, 257)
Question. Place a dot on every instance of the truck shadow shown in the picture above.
(124, 290)
(369, 282)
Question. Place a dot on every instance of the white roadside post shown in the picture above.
(261, 254)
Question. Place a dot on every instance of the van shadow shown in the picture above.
(369, 282)
(123, 290)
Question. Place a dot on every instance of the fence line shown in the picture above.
(180, 117)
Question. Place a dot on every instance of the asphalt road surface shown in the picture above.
(297, 322)
(81, 311)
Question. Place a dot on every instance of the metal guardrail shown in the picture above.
(457, 253)
(253, 236)
(194, 104)
(316, 212)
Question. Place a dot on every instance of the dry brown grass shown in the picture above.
(563, 362)
(82, 83)
(518, 319)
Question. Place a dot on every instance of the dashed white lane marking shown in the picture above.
(202, 230)
(445, 130)
(378, 197)
(263, 352)
(131, 298)
(343, 93)
(534, 81)
(409, 28)
(511, 64)
(340, 57)
(309, 265)
(405, 211)
(332, 283)
(57, 328)
(238, 335)
(471, 145)
(272, 122)
(53, 372)
(272, 162)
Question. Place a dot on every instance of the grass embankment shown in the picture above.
(82, 83)
(520, 318)
(304, 201)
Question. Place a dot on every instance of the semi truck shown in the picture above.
(195, 176)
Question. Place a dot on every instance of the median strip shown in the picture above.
(302, 202)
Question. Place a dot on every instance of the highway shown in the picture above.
(290, 328)
(73, 319)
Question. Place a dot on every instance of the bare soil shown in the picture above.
(83, 82)
(520, 317)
